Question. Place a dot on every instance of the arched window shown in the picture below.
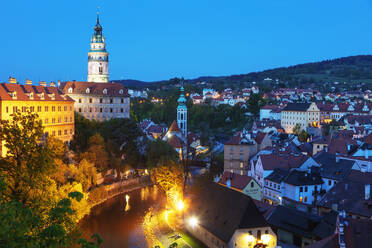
(121, 91)
(87, 90)
(105, 91)
(70, 90)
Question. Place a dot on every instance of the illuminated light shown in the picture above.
(166, 215)
(127, 206)
(146, 172)
(265, 239)
(180, 205)
(249, 238)
(193, 222)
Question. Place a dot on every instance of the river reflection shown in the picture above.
(118, 220)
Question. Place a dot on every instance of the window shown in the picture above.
(100, 100)
(329, 182)
(54, 133)
(46, 121)
(306, 189)
(87, 90)
(65, 108)
(300, 198)
(70, 118)
(80, 100)
(122, 100)
(305, 200)
(259, 234)
(122, 110)
(59, 119)
(59, 132)
(252, 184)
(70, 90)
(90, 100)
(90, 110)
(121, 92)
(66, 119)
(111, 110)
(39, 109)
(70, 131)
(111, 100)
(100, 110)
(241, 164)
(53, 120)
(53, 108)
(65, 131)
(301, 189)
(79, 110)
(7, 109)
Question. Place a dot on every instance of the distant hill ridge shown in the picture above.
(352, 68)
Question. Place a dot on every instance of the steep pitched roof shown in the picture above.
(222, 211)
(237, 181)
(284, 161)
(332, 169)
(23, 92)
(299, 178)
(113, 89)
(278, 175)
(302, 223)
(296, 107)
(174, 127)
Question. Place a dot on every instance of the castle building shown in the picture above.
(98, 66)
(302, 114)
(54, 108)
(182, 113)
(98, 99)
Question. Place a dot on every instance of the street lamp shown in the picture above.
(193, 222)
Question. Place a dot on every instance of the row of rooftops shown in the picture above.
(28, 91)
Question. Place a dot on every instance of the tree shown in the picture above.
(303, 136)
(160, 152)
(170, 178)
(96, 152)
(297, 129)
(28, 164)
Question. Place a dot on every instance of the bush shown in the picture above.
(97, 194)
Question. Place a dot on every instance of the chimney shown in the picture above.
(43, 83)
(52, 84)
(12, 80)
(337, 157)
(367, 192)
(29, 82)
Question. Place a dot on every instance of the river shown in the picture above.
(120, 224)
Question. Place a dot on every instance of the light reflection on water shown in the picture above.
(118, 226)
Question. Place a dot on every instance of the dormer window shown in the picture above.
(52, 96)
(41, 96)
(70, 90)
(31, 95)
(121, 91)
(13, 95)
(105, 91)
(87, 90)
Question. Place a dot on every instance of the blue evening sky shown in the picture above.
(153, 40)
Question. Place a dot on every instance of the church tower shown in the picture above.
(182, 113)
(98, 70)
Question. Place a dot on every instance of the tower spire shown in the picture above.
(97, 15)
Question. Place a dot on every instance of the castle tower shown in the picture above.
(98, 68)
(182, 113)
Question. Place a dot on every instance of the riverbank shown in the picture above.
(117, 188)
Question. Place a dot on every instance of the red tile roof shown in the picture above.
(284, 161)
(23, 92)
(175, 141)
(113, 89)
(174, 127)
(237, 181)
